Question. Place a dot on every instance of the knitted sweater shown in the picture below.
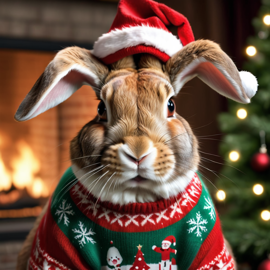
(79, 233)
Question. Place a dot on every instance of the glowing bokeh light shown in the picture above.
(251, 50)
(241, 113)
(234, 156)
(221, 195)
(265, 215)
(258, 189)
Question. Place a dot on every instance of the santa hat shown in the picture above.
(141, 26)
(170, 240)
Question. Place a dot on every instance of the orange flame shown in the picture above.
(5, 179)
(25, 168)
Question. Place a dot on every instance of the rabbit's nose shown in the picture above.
(135, 160)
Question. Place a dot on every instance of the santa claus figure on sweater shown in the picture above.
(166, 251)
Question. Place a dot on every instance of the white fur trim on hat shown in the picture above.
(249, 83)
(118, 39)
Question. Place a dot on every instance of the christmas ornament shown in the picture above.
(261, 161)
(139, 263)
(265, 265)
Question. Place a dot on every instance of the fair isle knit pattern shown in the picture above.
(79, 232)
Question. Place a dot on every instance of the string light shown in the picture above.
(265, 215)
(266, 19)
(258, 189)
(221, 195)
(234, 156)
(241, 113)
(251, 50)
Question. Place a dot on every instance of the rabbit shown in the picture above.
(137, 151)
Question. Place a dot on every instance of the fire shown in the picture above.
(38, 189)
(5, 179)
(25, 168)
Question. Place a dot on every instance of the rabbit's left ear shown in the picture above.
(71, 68)
(205, 59)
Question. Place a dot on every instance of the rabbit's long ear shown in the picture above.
(67, 72)
(205, 59)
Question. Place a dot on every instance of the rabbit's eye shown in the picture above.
(102, 112)
(171, 108)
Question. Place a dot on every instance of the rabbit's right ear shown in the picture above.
(67, 72)
(205, 59)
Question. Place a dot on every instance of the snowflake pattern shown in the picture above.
(209, 206)
(197, 225)
(83, 235)
(63, 211)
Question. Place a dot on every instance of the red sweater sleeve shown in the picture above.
(55, 251)
(213, 252)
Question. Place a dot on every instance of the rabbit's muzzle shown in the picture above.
(139, 157)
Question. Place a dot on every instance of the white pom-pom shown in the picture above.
(249, 83)
(174, 243)
(153, 247)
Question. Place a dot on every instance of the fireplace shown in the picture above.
(33, 154)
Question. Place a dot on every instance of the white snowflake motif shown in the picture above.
(83, 235)
(209, 206)
(63, 211)
(198, 225)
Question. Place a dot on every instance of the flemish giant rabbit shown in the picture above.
(133, 184)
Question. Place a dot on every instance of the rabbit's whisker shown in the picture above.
(206, 136)
(111, 181)
(209, 154)
(85, 157)
(89, 166)
(67, 187)
(97, 180)
(102, 189)
(175, 137)
(210, 160)
(209, 180)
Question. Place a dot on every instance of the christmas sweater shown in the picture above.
(77, 232)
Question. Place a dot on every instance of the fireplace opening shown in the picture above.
(35, 153)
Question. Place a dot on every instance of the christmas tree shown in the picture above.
(244, 183)
(139, 263)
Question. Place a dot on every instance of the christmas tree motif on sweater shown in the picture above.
(139, 263)
(114, 258)
(166, 251)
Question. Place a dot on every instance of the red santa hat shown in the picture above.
(140, 26)
(170, 239)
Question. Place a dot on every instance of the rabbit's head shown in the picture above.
(137, 148)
